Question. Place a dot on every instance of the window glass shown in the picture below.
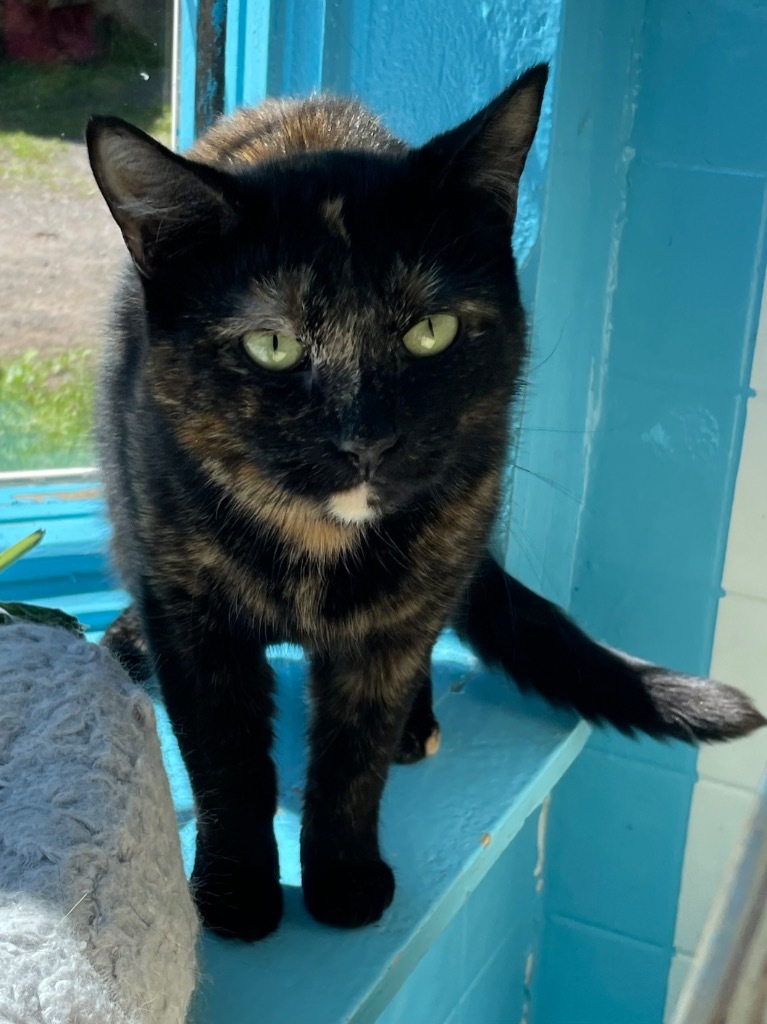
(61, 61)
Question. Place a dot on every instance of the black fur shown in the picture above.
(533, 641)
(344, 504)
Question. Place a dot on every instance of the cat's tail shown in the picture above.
(124, 638)
(536, 644)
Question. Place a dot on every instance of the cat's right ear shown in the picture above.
(488, 152)
(164, 204)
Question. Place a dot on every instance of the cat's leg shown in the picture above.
(217, 687)
(420, 737)
(360, 706)
(124, 638)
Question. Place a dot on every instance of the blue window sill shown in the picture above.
(445, 822)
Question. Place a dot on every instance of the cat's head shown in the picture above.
(345, 320)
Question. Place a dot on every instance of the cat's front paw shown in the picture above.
(348, 895)
(236, 901)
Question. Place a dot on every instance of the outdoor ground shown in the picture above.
(60, 250)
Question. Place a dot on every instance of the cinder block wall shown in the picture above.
(729, 776)
(672, 364)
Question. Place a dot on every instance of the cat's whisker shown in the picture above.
(577, 432)
(548, 480)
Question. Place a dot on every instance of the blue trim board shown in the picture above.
(248, 47)
(187, 71)
(478, 968)
(246, 56)
(210, 58)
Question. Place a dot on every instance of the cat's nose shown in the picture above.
(368, 453)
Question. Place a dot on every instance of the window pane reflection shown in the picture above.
(63, 60)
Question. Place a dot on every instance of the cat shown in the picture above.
(303, 422)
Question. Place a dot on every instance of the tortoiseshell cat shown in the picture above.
(303, 420)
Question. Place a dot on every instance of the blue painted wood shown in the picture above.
(187, 29)
(693, 111)
(71, 563)
(494, 998)
(248, 48)
(243, 50)
(297, 44)
(477, 968)
(347, 32)
(210, 59)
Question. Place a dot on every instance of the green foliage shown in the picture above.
(29, 160)
(46, 409)
(15, 611)
(19, 549)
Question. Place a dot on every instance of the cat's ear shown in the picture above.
(488, 151)
(164, 204)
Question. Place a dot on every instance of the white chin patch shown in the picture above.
(353, 506)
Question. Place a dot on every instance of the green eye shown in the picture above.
(273, 351)
(431, 336)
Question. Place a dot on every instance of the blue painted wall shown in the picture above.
(420, 72)
(670, 249)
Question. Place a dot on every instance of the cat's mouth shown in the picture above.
(368, 501)
(358, 504)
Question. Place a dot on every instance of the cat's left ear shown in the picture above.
(165, 205)
(488, 151)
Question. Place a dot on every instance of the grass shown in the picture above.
(42, 108)
(31, 161)
(46, 409)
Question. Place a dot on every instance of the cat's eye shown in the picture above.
(273, 351)
(431, 336)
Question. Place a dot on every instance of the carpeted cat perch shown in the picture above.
(96, 922)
